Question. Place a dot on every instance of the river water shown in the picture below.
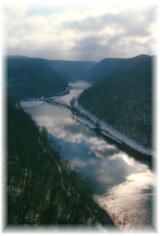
(124, 186)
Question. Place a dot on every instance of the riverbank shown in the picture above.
(108, 131)
(106, 163)
(64, 92)
(41, 100)
(59, 196)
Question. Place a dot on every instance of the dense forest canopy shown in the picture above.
(41, 189)
(102, 69)
(32, 77)
(123, 99)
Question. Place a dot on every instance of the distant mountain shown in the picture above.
(123, 99)
(102, 69)
(72, 69)
(32, 77)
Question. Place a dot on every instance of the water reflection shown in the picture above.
(122, 184)
(76, 89)
(88, 154)
(130, 203)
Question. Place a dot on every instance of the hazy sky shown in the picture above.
(80, 31)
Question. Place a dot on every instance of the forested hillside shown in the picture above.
(32, 77)
(72, 69)
(102, 69)
(40, 189)
(123, 99)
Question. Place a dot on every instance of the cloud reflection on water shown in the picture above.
(91, 156)
(122, 184)
(129, 203)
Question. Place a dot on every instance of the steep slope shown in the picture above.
(40, 189)
(102, 69)
(32, 77)
(124, 100)
(72, 69)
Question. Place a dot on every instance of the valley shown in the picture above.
(97, 132)
(94, 158)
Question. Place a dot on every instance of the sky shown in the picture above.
(80, 30)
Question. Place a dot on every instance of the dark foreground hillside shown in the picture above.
(41, 190)
(32, 77)
(123, 99)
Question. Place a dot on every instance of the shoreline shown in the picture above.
(107, 131)
(43, 98)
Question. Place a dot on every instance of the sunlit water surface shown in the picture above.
(123, 185)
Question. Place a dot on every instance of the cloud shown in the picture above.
(88, 47)
(134, 22)
(83, 33)
(119, 35)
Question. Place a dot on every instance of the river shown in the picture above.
(123, 185)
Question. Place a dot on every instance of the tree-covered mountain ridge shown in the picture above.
(41, 189)
(106, 66)
(123, 100)
(32, 77)
(74, 70)
(40, 69)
